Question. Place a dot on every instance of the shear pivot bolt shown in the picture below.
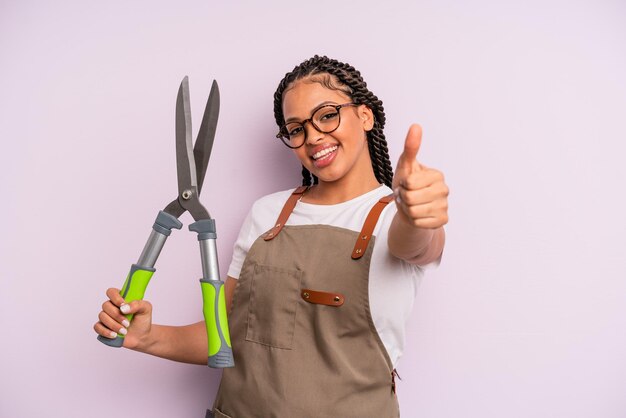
(187, 194)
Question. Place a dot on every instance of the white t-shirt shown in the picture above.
(392, 282)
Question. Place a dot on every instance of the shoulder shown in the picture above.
(350, 214)
(368, 200)
(272, 201)
(271, 204)
(261, 216)
(381, 192)
(388, 211)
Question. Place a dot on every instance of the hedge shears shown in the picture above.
(191, 165)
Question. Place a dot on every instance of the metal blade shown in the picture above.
(206, 135)
(185, 162)
(174, 208)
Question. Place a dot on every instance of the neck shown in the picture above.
(331, 193)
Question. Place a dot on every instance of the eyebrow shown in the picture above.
(327, 102)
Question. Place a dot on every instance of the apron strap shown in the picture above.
(368, 227)
(366, 232)
(284, 214)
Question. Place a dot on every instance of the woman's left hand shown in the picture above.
(421, 192)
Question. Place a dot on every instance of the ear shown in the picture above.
(367, 117)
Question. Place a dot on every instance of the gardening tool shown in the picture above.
(191, 167)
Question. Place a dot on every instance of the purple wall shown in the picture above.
(522, 106)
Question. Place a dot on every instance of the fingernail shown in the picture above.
(113, 334)
(126, 323)
(123, 331)
(125, 308)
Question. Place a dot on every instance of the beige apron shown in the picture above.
(302, 333)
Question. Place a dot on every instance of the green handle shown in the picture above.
(134, 289)
(214, 309)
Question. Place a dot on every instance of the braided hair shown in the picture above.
(344, 77)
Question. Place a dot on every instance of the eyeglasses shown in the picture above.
(325, 119)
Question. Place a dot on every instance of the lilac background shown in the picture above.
(523, 108)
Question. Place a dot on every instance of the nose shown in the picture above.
(311, 132)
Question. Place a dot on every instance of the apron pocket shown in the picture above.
(274, 297)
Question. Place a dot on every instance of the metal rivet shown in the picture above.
(364, 237)
(270, 234)
(186, 194)
(306, 295)
(337, 299)
(358, 251)
(277, 225)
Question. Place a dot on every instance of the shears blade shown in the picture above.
(206, 135)
(192, 161)
(185, 161)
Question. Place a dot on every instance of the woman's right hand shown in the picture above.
(112, 320)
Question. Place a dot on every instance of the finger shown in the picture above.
(417, 197)
(430, 223)
(114, 312)
(114, 296)
(138, 307)
(422, 179)
(424, 216)
(104, 331)
(430, 193)
(417, 181)
(412, 144)
(111, 324)
(437, 208)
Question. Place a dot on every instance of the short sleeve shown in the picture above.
(242, 246)
(260, 218)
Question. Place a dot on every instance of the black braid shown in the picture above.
(306, 177)
(352, 84)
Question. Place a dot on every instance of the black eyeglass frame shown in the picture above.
(283, 135)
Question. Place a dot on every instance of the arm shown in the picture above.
(187, 344)
(415, 245)
(416, 233)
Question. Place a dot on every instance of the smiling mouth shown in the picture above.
(324, 152)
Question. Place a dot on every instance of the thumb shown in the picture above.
(412, 145)
(137, 307)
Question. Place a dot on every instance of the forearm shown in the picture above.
(186, 344)
(413, 244)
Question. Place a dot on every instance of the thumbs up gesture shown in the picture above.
(421, 193)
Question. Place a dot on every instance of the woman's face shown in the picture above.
(337, 156)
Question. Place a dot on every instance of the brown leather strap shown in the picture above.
(284, 214)
(322, 298)
(368, 227)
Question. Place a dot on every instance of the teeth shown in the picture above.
(323, 152)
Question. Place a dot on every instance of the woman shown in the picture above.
(323, 277)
